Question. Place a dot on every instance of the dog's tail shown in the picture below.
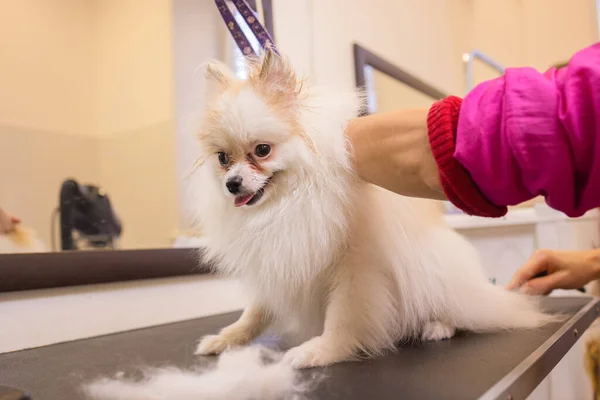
(491, 308)
(476, 304)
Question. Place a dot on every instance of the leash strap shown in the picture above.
(251, 19)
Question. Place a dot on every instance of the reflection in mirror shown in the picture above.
(387, 86)
(392, 94)
(98, 111)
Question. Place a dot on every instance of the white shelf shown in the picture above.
(515, 217)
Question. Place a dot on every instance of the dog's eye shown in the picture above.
(223, 158)
(262, 150)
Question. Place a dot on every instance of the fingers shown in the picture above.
(5, 224)
(536, 264)
(544, 285)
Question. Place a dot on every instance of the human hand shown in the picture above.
(7, 222)
(564, 269)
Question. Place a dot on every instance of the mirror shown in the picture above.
(99, 105)
(392, 94)
(387, 86)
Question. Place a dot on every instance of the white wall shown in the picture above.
(38, 318)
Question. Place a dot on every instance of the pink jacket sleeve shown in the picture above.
(527, 134)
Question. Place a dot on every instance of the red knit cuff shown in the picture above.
(459, 187)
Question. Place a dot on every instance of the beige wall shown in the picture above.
(134, 80)
(428, 37)
(420, 36)
(87, 93)
(555, 29)
(46, 65)
(537, 33)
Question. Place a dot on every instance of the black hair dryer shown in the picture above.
(87, 210)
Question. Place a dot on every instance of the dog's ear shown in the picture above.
(274, 73)
(218, 78)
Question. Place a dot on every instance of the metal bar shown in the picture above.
(469, 59)
(364, 58)
(598, 17)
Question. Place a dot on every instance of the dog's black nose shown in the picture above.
(234, 184)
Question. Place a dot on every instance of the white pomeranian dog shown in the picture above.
(20, 240)
(338, 266)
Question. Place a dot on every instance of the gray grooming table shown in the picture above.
(506, 365)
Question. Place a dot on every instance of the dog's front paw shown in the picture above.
(216, 344)
(434, 331)
(233, 336)
(212, 344)
(317, 352)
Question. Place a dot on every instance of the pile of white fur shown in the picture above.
(248, 374)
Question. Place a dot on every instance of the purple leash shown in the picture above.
(251, 19)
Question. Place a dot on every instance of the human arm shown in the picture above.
(527, 134)
(547, 270)
(392, 150)
(512, 138)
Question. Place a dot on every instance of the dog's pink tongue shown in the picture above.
(242, 200)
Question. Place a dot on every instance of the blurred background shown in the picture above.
(108, 92)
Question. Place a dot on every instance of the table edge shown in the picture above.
(525, 377)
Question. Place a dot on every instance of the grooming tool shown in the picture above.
(251, 18)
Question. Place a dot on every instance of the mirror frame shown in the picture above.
(364, 58)
(30, 271)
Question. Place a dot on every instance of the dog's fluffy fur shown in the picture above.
(20, 240)
(341, 267)
(248, 374)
